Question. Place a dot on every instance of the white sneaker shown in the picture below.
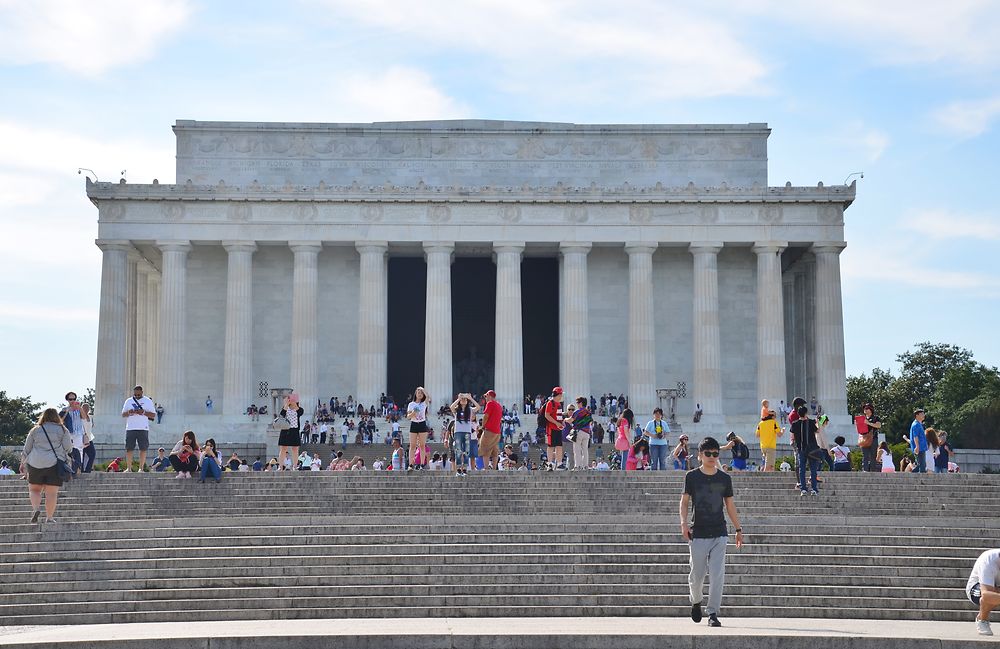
(128, 470)
(179, 476)
(983, 627)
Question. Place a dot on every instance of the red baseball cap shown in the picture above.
(557, 390)
(491, 393)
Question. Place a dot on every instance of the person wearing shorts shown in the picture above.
(489, 438)
(553, 426)
(138, 411)
(46, 445)
(982, 588)
(416, 412)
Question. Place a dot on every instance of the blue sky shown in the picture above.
(908, 92)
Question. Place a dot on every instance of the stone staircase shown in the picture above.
(152, 548)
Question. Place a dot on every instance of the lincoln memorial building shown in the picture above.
(362, 259)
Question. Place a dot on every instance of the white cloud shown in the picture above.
(87, 37)
(31, 149)
(895, 31)
(895, 264)
(578, 49)
(399, 93)
(941, 224)
(969, 118)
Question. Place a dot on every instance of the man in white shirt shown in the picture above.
(138, 411)
(4, 469)
(982, 588)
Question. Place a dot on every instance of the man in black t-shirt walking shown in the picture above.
(710, 490)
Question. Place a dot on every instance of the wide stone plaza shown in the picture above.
(362, 259)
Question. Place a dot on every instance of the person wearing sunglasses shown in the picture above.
(710, 491)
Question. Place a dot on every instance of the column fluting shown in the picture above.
(706, 338)
(831, 373)
(641, 330)
(110, 383)
(305, 346)
(771, 378)
(508, 378)
(237, 386)
(373, 322)
(575, 326)
(437, 334)
(172, 352)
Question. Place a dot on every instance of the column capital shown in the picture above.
(575, 247)
(828, 247)
(508, 246)
(178, 245)
(372, 247)
(769, 247)
(641, 247)
(240, 246)
(121, 245)
(447, 247)
(705, 247)
(305, 246)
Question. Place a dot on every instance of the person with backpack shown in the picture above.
(739, 449)
(807, 450)
(553, 426)
(581, 427)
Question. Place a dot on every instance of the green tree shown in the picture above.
(17, 416)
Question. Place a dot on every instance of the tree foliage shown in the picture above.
(961, 395)
(17, 416)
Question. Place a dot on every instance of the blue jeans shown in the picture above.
(462, 448)
(940, 469)
(921, 462)
(77, 458)
(624, 457)
(803, 460)
(681, 464)
(658, 457)
(474, 450)
(210, 466)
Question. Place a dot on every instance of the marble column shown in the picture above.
(770, 323)
(132, 282)
(153, 332)
(172, 358)
(437, 334)
(508, 380)
(110, 384)
(305, 346)
(142, 324)
(707, 345)
(575, 327)
(237, 385)
(831, 373)
(641, 330)
(373, 322)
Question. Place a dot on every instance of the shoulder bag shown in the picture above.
(63, 467)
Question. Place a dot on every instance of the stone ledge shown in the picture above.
(519, 633)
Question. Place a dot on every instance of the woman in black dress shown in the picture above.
(290, 438)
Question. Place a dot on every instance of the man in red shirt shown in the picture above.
(489, 438)
(554, 426)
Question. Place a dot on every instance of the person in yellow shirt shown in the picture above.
(768, 433)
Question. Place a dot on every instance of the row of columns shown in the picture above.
(156, 324)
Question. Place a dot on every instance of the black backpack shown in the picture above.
(741, 451)
(542, 421)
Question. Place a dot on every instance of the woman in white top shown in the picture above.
(416, 412)
(884, 457)
(89, 452)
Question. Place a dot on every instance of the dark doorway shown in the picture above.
(407, 315)
(473, 323)
(540, 323)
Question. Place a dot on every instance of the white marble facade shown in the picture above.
(678, 263)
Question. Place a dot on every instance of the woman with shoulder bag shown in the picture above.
(46, 451)
(866, 441)
(623, 442)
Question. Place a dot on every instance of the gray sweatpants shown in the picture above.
(708, 556)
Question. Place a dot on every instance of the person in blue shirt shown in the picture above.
(918, 440)
(257, 465)
(656, 433)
